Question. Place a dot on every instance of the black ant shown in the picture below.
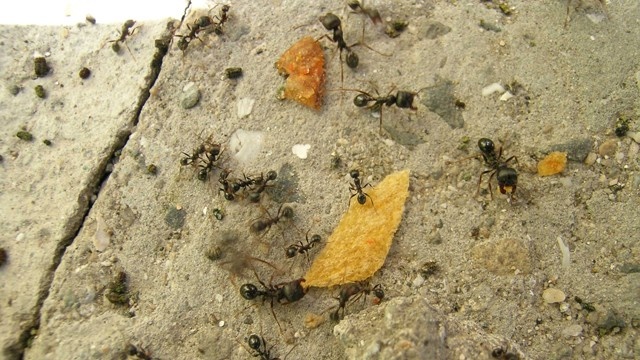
(356, 188)
(210, 157)
(193, 157)
(138, 352)
(258, 344)
(301, 248)
(124, 32)
(194, 29)
(507, 176)
(283, 293)
(333, 23)
(402, 99)
(262, 183)
(264, 224)
(222, 17)
(355, 289)
(227, 187)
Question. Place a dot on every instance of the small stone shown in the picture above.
(84, 73)
(40, 66)
(245, 106)
(40, 92)
(24, 135)
(418, 281)
(608, 148)
(553, 295)
(573, 330)
(590, 159)
(190, 96)
(14, 89)
(635, 136)
(233, 72)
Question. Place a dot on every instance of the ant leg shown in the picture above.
(480, 181)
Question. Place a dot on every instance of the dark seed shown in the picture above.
(40, 92)
(233, 73)
(41, 67)
(84, 73)
(24, 135)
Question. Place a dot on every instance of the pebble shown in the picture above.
(573, 330)
(590, 159)
(608, 148)
(418, 281)
(633, 151)
(635, 136)
(553, 295)
(245, 106)
(190, 96)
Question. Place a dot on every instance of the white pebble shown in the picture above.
(20, 237)
(493, 88)
(246, 145)
(553, 295)
(218, 298)
(101, 239)
(221, 323)
(506, 96)
(301, 150)
(418, 281)
(245, 106)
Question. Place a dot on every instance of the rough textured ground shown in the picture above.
(466, 274)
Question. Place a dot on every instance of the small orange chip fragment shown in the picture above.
(552, 164)
(304, 65)
(360, 243)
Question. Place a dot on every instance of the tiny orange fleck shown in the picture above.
(304, 65)
(552, 164)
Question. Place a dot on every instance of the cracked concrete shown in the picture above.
(105, 131)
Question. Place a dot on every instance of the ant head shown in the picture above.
(354, 4)
(507, 179)
(352, 59)
(354, 174)
(486, 146)
(330, 21)
(255, 342)
(183, 43)
(315, 239)
(378, 292)
(271, 175)
(287, 212)
(225, 8)
(249, 291)
(129, 23)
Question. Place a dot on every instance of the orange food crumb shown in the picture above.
(552, 164)
(359, 245)
(304, 65)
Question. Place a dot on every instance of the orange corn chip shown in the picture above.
(553, 164)
(359, 245)
(304, 65)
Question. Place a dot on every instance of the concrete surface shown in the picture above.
(466, 274)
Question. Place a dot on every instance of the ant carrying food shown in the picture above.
(301, 248)
(356, 188)
(355, 290)
(283, 293)
(227, 187)
(263, 225)
(507, 176)
(208, 162)
(402, 99)
(127, 30)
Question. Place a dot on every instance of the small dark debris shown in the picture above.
(622, 126)
(3, 257)
(40, 66)
(84, 73)
(213, 253)
(218, 214)
(175, 217)
(395, 28)
(152, 169)
(585, 305)
(24, 135)
(117, 291)
(14, 89)
(429, 268)
(435, 30)
(40, 92)
(90, 19)
(233, 72)
(47, 142)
